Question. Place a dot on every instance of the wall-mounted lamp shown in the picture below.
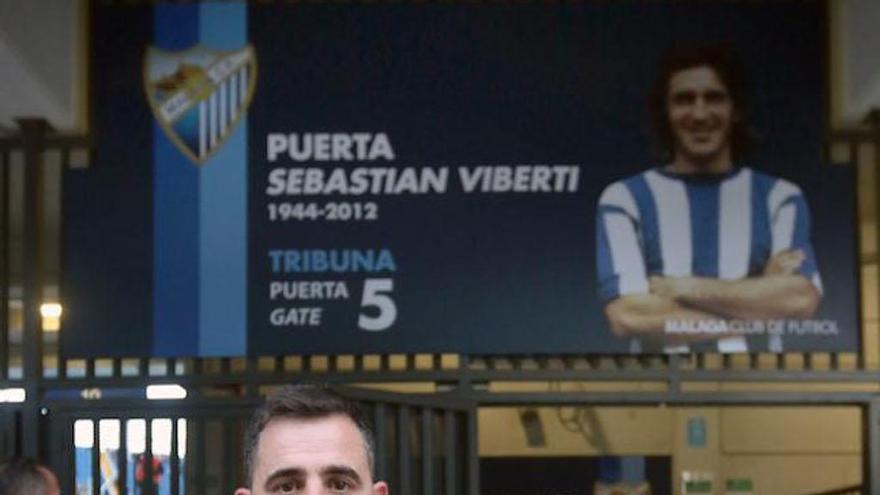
(51, 313)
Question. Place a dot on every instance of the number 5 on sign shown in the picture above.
(376, 294)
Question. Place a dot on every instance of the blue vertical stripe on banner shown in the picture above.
(175, 212)
(704, 200)
(609, 469)
(223, 209)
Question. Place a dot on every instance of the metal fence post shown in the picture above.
(871, 447)
(33, 132)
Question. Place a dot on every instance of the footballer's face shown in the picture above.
(700, 113)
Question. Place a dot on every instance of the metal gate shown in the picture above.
(10, 418)
(424, 444)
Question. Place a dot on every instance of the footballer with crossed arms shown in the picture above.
(703, 238)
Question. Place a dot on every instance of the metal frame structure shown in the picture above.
(59, 391)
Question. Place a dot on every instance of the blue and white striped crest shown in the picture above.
(199, 95)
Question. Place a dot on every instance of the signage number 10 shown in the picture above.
(377, 294)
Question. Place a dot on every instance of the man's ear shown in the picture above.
(379, 488)
(242, 491)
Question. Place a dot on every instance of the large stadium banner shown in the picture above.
(585, 177)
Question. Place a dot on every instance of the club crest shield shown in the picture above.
(199, 95)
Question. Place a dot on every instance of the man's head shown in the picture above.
(23, 476)
(309, 440)
(700, 108)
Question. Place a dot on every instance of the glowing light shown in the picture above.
(50, 310)
(12, 395)
(51, 313)
(165, 392)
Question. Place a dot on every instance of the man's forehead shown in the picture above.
(702, 73)
(328, 439)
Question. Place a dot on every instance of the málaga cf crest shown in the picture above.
(198, 95)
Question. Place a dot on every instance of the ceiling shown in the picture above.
(43, 55)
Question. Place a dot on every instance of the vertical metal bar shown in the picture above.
(96, 457)
(673, 364)
(403, 455)
(228, 457)
(464, 371)
(143, 367)
(472, 455)
(427, 451)
(4, 264)
(61, 452)
(122, 457)
(68, 476)
(7, 442)
(65, 157)
(252, 370)
(871, 447)
(727, 361)
(196, 456)
(174, 459)
(874, 119)
(379, 429)
(450, 453)
(33, 132)
(199, 366)
(147, 487)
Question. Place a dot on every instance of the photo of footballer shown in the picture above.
(703, 252)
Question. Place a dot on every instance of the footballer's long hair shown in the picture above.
(730, 70)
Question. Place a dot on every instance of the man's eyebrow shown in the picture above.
(340, 469)
(284, 473)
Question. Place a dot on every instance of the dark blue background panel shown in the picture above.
(439, 87)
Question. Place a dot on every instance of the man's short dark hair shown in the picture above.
(727, 65)
(23, 476)
(304, 402)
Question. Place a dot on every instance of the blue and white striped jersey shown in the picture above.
(720, 226)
